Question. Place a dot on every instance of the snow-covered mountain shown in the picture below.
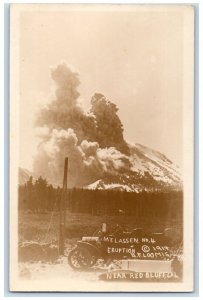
(150, 171)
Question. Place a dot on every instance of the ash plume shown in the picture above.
(92, 140)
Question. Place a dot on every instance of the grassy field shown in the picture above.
(44, 227)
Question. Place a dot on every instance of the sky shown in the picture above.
(132, 56)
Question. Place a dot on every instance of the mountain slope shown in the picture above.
(150, 171)
(23, 175)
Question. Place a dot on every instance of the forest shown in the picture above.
(39, 196)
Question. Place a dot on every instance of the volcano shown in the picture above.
(93, 140)
(150, 171)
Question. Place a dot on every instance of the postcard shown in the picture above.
(101, 147)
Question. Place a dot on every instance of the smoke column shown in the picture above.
(93, 140)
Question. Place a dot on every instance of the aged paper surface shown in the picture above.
(101, 147)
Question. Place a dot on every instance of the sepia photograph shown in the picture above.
(101, 147)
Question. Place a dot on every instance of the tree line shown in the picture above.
(41, 196)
